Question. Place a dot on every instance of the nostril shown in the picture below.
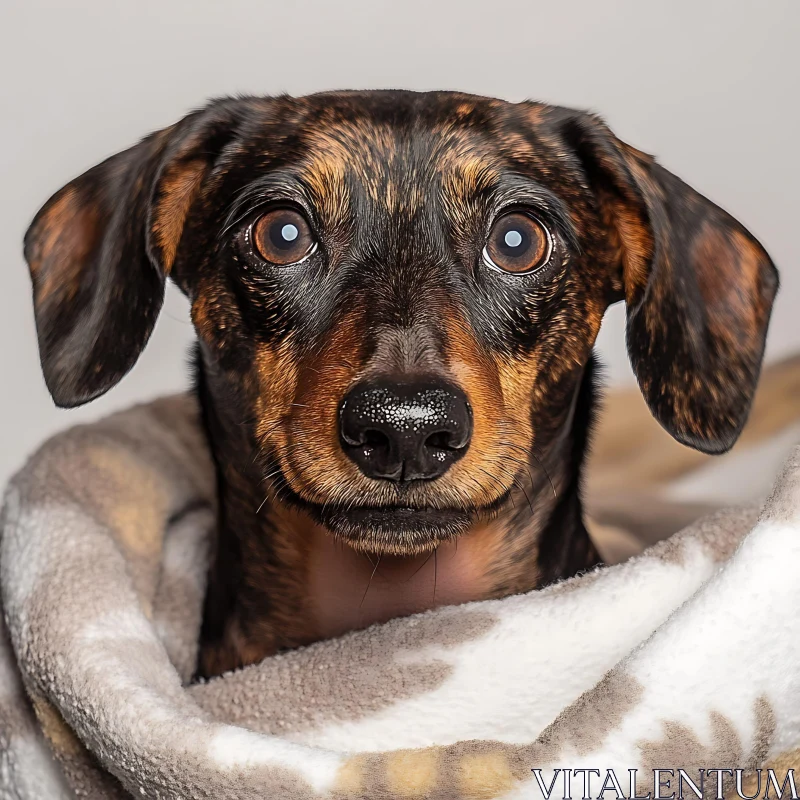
(445, 440)
(439, 440)
(369, 442)
(375, 453)
(354, 427)
(373, 440)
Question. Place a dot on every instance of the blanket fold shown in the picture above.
(684, 657)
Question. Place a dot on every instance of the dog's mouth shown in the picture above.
(397, 530)
(403, 527)
(400, 529)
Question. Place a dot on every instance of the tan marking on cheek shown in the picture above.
(313, 460)
(485, 471)
(412, 773)
(518, 381)
(178, 190)
(485, 776)
(276, 374)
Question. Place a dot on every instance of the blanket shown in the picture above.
(682, 663)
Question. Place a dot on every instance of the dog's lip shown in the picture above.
(405, 528)
(398, 510)
(325, 511)
(404, 512)
(399, 529)
(393, 520)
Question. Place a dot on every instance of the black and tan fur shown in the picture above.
(400, 188)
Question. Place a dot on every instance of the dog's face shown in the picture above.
(396, 294)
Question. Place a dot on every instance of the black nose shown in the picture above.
(405, 431)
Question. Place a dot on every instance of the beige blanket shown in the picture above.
(686, 657)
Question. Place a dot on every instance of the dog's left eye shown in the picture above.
(518, 243)
(283, 237)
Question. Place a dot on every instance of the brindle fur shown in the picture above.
(401, 188)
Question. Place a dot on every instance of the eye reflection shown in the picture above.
(289, 232)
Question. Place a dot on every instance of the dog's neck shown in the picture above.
(344, 589)
(279, 580)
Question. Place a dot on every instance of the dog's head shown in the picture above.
(396, 294)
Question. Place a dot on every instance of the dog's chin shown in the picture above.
(395, 530)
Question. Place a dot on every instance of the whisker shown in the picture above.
(435, 572)
(420, 566)
(494, 478)
(514, 447)
(370, 583)
(266, 478)
(522, 489)
(269, 429)
(532, 454)
(547, 474)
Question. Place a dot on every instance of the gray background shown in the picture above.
(712, 88)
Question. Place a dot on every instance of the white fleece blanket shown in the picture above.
(686, 657)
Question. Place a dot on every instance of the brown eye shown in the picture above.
(517, 243)
(283, 237)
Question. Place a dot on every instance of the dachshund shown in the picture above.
(396, 297)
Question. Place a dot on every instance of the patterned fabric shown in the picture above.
(685, 656)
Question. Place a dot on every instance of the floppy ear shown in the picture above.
(698, 288)
(100, 249)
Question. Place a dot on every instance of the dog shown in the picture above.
(396, 297)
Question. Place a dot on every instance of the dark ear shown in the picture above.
(100, 249)
(698, 287)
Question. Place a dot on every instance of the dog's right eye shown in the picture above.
(518, 243)
(283, 237)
